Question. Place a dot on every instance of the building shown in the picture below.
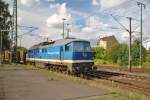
(107, 42)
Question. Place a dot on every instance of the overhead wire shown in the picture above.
(123, 16)
(119, 23)
(29, 28)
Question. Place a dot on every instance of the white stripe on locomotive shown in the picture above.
(55, 60)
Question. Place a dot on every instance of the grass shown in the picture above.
(130, 96)
(135, 95)
(146, 65)
(109, 63)
(52, 78)
(101, 61)
(110, 96)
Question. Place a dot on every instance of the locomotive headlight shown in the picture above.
(84, 54)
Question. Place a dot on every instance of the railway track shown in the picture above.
(130, 80)
(133, 81)
(125, 69)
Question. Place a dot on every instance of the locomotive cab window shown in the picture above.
(68, 47)
(82, 46)
(44, 50)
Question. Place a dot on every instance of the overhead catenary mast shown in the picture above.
(141, 55)
(68, 30)
(63, 33)
(15, 31)
(130, 38)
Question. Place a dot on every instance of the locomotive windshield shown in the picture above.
(82, 46)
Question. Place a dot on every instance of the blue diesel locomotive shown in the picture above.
(70, 54)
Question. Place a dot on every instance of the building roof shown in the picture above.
(55, 43)
(108, 38)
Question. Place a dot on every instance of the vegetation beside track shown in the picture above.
(118, 55)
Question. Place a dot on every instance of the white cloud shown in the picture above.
(111, 3)
(95, 2)
(31, 2)
(19, 20)
(28, 2)
(87, 29)
(49, 19)
(94, 24)
(50, 0)
(107, 3)
(93, 28)
(146, 24)
(54, 6)
(55, 20)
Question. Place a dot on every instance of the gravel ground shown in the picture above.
(18, 83)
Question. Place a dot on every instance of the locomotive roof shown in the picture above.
(55, 43)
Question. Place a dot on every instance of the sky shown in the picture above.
(87, 19)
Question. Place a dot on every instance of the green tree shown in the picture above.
(147, 61)
(118, 54)
(113, 53)
(5, 24)
(123, 54)
(21, 49)
(136, 53)
(100, 53)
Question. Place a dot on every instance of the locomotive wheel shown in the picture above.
(68, 72)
